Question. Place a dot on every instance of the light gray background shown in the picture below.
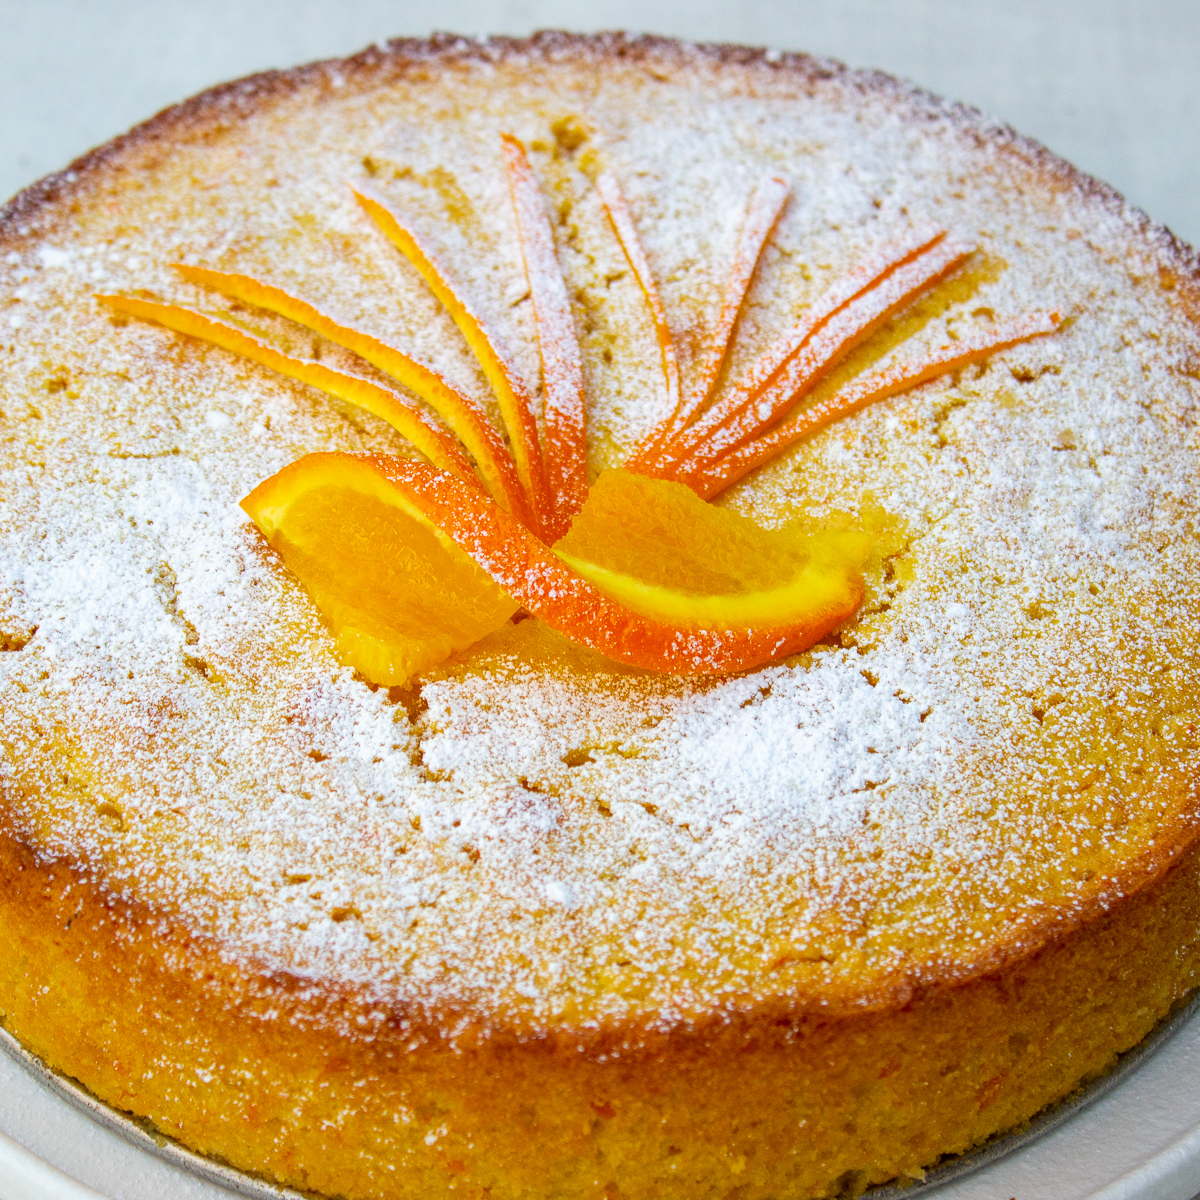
(1112, 85)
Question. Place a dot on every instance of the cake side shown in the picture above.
(333, 1094)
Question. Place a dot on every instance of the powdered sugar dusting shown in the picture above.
(532, 833)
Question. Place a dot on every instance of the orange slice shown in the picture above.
(398, 595)
(431, 602)
(658, 549)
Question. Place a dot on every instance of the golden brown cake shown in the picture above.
(538, 924)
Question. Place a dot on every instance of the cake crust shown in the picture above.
(891, 953)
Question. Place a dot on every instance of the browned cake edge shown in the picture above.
(204, 115)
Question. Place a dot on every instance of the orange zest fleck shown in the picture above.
(434, 443)
(900, 377)
(460, 412)
(516, 408)
(622, 222)
(765, 206)
(562, 368)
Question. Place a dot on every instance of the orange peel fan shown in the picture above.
(520, 526)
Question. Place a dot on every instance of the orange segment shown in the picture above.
(657, 548)
(398, 595)
(469, 424)
(437, 446)
(515, 405)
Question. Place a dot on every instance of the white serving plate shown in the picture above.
(1135, 1136)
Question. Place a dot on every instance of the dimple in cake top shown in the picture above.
(995, 745)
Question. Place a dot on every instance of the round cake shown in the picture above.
(539, 919)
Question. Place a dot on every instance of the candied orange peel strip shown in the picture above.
(727, 469)
(436, 445)
(516, 408)
(765, 207)
(622, 222)
(562, 367)
(459, 411)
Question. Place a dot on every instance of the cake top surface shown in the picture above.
(1001, 743)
